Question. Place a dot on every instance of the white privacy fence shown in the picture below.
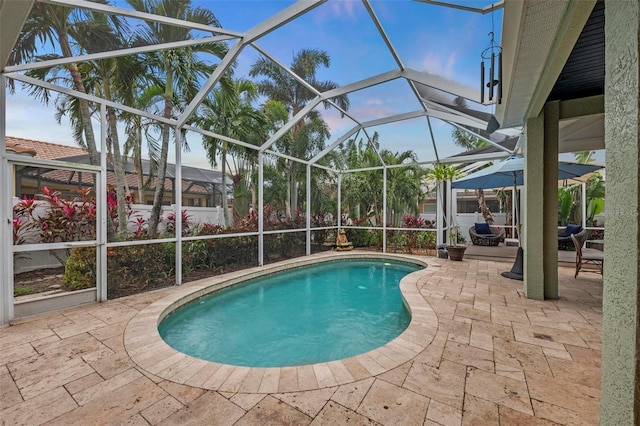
(196, 215)
(44, 259)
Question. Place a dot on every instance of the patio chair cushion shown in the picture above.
(482, 228)
(495, 237)
(571, 229)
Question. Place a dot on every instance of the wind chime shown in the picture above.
(494, 84)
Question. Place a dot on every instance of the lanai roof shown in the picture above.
(527, 34)
(426, 97)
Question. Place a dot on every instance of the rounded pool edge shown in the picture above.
(147, 349)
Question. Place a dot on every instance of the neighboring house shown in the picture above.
(200, 187)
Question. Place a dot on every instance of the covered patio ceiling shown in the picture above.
(555, 52)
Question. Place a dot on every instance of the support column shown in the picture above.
(440, 234)
(102, 279)
(6, 215)
(540, 211)
(384, 210)
(533, 212)
(550, 199)
(620, 401)
(177, 199)
(308, 211)
(339, 200)
(260, 208)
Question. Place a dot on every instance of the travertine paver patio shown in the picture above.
(495, 358)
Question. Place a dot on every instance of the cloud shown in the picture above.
(30, 119)
(343, 9)
(438, 63)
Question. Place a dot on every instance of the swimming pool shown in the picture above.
(308, 315)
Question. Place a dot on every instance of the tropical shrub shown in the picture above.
(186, 223)
(426, 240)
(398, 240)
(80, 269)
(139, 266)
(410, 221)
(67, 220)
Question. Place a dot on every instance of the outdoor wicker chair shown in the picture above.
(494, 238)
(564, 237)
(596, 259)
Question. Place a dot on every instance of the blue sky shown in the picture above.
(438, 40)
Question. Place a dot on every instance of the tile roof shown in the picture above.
(51, 151)
(45, 150)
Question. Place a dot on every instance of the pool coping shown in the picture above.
(150, 352)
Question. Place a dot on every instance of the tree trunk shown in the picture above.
(486, 213)
(225, 201)
(509, 210)
(85, 112)
(137, 160)
(237, 209)
(154, 219)
(158, 196)
(288, 200)
(294, 194)
(118, 167)
(119, 172)
(254, 195)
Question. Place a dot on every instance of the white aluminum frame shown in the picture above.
(8, 301)
(242, 39)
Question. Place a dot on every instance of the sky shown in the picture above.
(438, 40)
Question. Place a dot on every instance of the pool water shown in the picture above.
(308, 315)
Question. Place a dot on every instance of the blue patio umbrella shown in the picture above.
(510, 172)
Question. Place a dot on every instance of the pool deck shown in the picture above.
(487, 356)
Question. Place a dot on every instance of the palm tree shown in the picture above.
(584, 157)
(464, 139)
(228, 111)
(113, 82)
(178, 71)
(403, 184)
(440, 173)
(143, 97)
(363, 190)
(64, 26)
(595, 197)
(280, 86)
(90, 33)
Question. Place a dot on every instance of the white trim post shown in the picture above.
(177, 191)
(308, 210)
(448, 212)
(384, 210)
(439, 214)
(339, 222)
(102, 277)
(260, 208)
(584, 204)
(6, 262)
